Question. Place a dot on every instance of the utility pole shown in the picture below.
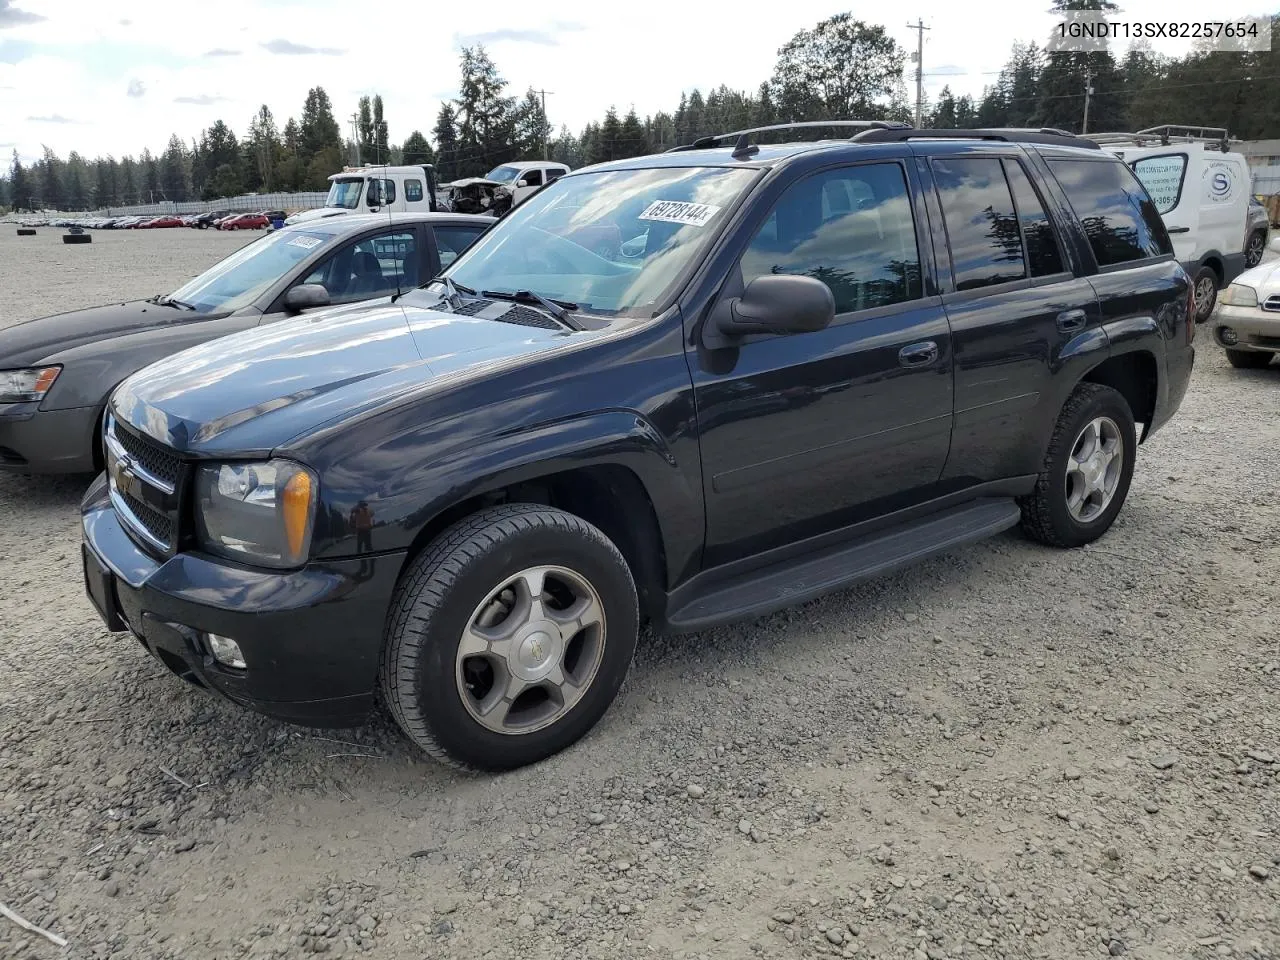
(1088, 91)
(546, 126)
(919, 28)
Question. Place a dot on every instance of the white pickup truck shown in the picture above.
(376, 189)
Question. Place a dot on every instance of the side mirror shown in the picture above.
(522, 182)
(778, 303)
(305, 296)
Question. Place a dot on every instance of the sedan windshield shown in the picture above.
(613, 242)
(239, 279)
(345, 194)
(503, 174)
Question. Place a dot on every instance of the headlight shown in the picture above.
(261, 513)
(19, 386)
(1238, 295)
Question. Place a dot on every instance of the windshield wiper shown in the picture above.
(451, 291)
(557, 308)
(171, 302)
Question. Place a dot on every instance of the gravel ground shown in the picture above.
(1009, 751)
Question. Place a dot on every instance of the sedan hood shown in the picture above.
(319, 213)
(33, 341)
(251, 392)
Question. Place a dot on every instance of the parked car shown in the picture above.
(164, 221)
(683, 389)
(1201, 189)
(56, 372)
(524, 177)
(1256, 233)
(1247, 321)
(248, 221)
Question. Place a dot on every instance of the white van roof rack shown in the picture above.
(1215, 138)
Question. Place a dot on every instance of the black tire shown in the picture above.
(440, 592)
(1254, 248)
(1045, 516)
(1249, 359)
(76, 238)
(26, 232)
(1205, 305)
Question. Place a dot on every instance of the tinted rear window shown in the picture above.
(1118, 216)
(1037, 230)
(982, 227)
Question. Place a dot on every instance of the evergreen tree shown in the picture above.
(319, 136)
(631, 138)
(75, 182)
(416, 150)
(485, 116)
(151, 189)
(173, 171)
(51, 197)
(381, 143)
(944, 114)
(263, 144)
(532, 132)
(364, 130)
(129, 193)
(607, 146)
(446, 136)
(567, 149)
(102, 185)
(19, 185)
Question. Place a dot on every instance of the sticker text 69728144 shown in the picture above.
(680, 211)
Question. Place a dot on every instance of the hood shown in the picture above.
(251, 392)
(1265, 278)
(36, 340)
(319, 213)
(471, 181)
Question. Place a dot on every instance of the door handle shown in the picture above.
(918, 354)
(1177, 229)
(1071, 320)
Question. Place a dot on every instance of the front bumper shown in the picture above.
(1253, 328)
(47, 441)
(311, 638)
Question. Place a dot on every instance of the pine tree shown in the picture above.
(151, 188)
(381, 142)
(51, 197)
(75, 182)
(631, 138)
(19, 185)
(485, 116)
(263, 144)
(446, 135)
(607, 142)
(102, 186)
(944, 114)
(318, 131)
(129, 193)
(173, 171)
(416, 149)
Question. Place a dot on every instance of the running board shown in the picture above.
(793, 581)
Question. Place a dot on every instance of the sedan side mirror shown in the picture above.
(305, 296)
(778, 303)
(522, 182)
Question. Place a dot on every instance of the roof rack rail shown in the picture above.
(1215, 137)
(703, 143)
(1045, 135)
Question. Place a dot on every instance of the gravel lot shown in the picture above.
(1010, 751)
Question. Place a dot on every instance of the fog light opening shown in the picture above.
(1228, 337)
(225, 650)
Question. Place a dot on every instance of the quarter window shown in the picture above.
(1037, 231)
(451, 240)
(852, 228)
(412, 191)
(1120, 220)
(982, 224)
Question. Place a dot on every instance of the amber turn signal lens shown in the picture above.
(297, 512)
(45, 378)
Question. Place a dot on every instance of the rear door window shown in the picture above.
(1043, 255)
(1118, 216)
(982, 223)
(413, 190)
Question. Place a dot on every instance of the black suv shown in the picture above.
(681, 389)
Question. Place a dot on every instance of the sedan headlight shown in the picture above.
(1238, 295)
(261, 513)
(20, 386)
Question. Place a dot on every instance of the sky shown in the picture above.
(114, 76)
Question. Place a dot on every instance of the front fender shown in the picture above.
(407, 501)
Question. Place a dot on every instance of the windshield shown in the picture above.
(503, 174)
(239, 279)
(344, 193)
(611, 242)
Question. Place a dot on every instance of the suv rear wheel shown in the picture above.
(1254, 249)
(509, 636)
(1087, 469)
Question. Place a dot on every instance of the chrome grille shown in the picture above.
(1271, 303)
(143, 480)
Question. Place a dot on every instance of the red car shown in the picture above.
(248, 221)
(165, 221)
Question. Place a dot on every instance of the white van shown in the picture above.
(1202, 190)
(376, 189)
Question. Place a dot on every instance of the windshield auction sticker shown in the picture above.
(678, 211)
(306, 241)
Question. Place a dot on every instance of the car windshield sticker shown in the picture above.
(306, 242)
(678, 211)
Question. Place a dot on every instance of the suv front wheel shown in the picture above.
(1087, 469)
(509, 637)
